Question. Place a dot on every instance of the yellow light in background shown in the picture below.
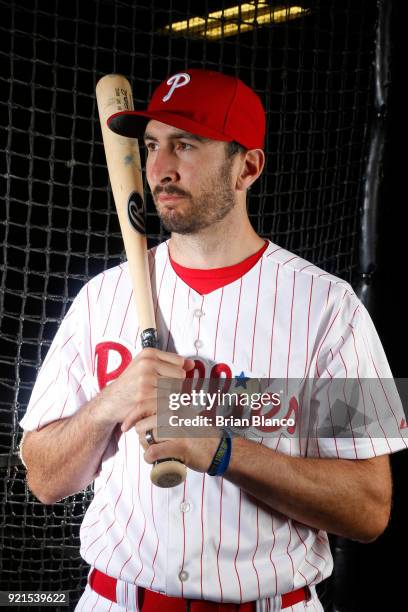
(231, 21)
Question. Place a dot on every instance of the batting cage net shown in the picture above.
(311, 63)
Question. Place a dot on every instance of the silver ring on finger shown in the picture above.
(149, 437)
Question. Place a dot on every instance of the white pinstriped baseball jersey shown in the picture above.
(285, 318)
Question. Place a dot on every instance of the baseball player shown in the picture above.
(247, 530)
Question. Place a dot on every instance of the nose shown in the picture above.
(163, 167)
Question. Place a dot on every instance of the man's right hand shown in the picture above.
(133, 395)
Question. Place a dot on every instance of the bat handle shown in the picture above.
(149, 338)
(166, 473)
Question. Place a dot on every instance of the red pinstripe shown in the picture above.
(83, 604)
(131, 513)
(70, 312)
(326, 334)
(345, 399)
(171, 313)
(114, 518)
(144, 515)
(386, 397)
(378, 419)
(124, 532)
(290, 328)
(126, 311)
(100, 286)
(56, 378)
(103, 508)
(184, 538)
(68, 374)
(219, 543)
(218, 321)
(54, 350)
(53, 402)
(90, 332)
(328, 294)
(305, 268)
(308, 327)
(306, 551)
(290, 259)
(80, 384)
(273, 318)
(199, 322)
(256, 549)
(270, 556)
(275, 251)
(361, 386)
(113, 299)
(287, 548)
(93, 607)
(256, 314)
(318, 554)
(157, 535)
(202, 535)
(330, 410)
(238, 543)
(236, 320)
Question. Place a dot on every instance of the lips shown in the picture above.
(163, 197)
(168, 199)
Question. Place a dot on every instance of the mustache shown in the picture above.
(170, 190)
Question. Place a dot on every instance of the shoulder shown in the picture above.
(118, 277)
(291, 265)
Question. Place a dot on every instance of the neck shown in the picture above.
(225, 243)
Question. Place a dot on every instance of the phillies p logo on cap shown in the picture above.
(202, 102)
(177, 80)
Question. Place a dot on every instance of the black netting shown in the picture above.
(58, 225)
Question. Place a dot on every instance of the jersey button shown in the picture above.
(183, 575)
(185, 506)
(198, 313)
(198, 343)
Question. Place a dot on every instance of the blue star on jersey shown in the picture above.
(241, 380)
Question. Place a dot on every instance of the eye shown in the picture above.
(151, 146)
(185, 146)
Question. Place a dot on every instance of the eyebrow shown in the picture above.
(174, 135)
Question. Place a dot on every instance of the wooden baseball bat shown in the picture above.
(113, 94)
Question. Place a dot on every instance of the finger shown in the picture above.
(170, 370)
(143, 410)
(142, 427)
(168, 448)
(172, 358)
(188, 364)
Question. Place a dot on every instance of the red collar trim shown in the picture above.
(205, 281)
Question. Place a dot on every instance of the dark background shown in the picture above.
(58, 226)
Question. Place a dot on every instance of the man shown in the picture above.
(228, 304)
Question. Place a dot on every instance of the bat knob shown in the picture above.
(168, 473)
(149, 338)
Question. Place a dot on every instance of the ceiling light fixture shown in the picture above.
(235, 20)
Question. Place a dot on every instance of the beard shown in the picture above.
(215, 201)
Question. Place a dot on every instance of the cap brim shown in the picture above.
(132, 124)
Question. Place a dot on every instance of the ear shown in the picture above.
(251, 167)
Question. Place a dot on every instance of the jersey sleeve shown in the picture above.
(64, 382)
(355, 409)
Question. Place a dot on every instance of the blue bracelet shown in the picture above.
(221, 459)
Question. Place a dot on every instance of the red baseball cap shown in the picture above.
(202, 102)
